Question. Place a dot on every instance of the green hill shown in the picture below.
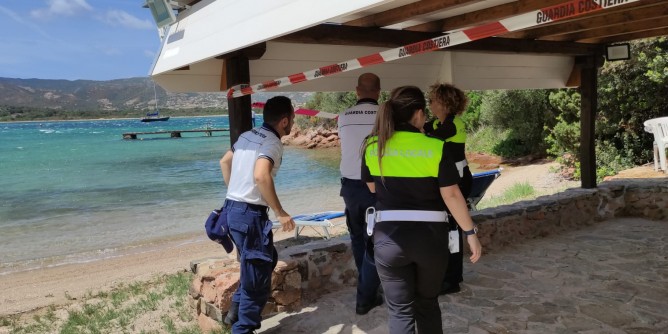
(32, 99)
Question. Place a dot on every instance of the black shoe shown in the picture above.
(232, 315)
(448, 288)
(362, 309)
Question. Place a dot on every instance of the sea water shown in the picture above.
(75, 191)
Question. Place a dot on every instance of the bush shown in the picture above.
(483, 139)
(471, 115)
(331, 102)
(308, 122)
(563, 138)
(524, 113)
(610, 160)
(631, 92)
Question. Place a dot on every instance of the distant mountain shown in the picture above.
(121, 94)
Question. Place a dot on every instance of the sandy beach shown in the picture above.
(35, 289)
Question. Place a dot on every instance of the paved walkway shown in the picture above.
(611, 277)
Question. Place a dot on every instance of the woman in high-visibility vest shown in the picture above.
(414, 179)
(447, 103)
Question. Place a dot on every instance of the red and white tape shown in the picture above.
(302, 111)
(535, 18)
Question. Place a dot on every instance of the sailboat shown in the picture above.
(154, 116)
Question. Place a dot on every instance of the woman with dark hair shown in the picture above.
(448, 103)
(414, 179)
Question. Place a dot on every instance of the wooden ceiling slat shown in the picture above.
(663, 31)
(632, 12)
(637, 20)
(388, 38)
(498, 44)
(618, 29)
(359, 36)
(407, 12)
(485, 15)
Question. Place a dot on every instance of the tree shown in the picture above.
(631, 92)
(471, 115)
(522, 115)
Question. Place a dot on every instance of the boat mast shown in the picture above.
(155, 96)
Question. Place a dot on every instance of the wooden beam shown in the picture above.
(588, 105)
(407, 12)
(485, 15)
(630, 36)
(389, 38)
(238, 72)
(574, 79)
(499, 44)
(253, 52)
(631, 12)
(356, 36)
(223, 79)
(618, 29)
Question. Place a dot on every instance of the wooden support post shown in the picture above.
(237, 71)
(588, 105)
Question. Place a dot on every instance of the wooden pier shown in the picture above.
(172, 133)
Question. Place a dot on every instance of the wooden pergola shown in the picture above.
(566, 53)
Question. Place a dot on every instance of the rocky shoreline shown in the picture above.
(311, 138)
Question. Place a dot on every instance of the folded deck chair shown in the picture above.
(481, 181)
(313, 220)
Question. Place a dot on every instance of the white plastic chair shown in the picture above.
(659, 128)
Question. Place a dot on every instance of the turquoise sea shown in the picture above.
(75, 191)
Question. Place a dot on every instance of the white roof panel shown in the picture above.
(214, 27)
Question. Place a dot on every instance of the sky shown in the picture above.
(76, 39)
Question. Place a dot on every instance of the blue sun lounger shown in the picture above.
(313, 220)
(481, 181)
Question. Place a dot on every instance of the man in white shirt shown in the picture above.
(355, 123)
(249, 169)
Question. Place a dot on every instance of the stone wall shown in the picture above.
(307, 271)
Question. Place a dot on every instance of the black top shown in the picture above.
(412, 193)
(444, 131)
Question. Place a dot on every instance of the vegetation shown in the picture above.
(547, 122)
(17, 114)
(132, 308)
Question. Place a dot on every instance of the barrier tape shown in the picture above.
(554, 13)
(302, 111)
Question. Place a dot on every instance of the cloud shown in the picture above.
(16, 17)
(121, 18)
(110, 51)
(61, 8)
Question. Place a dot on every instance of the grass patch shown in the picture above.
(517, 192)
(484, 140)
(118, 311)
